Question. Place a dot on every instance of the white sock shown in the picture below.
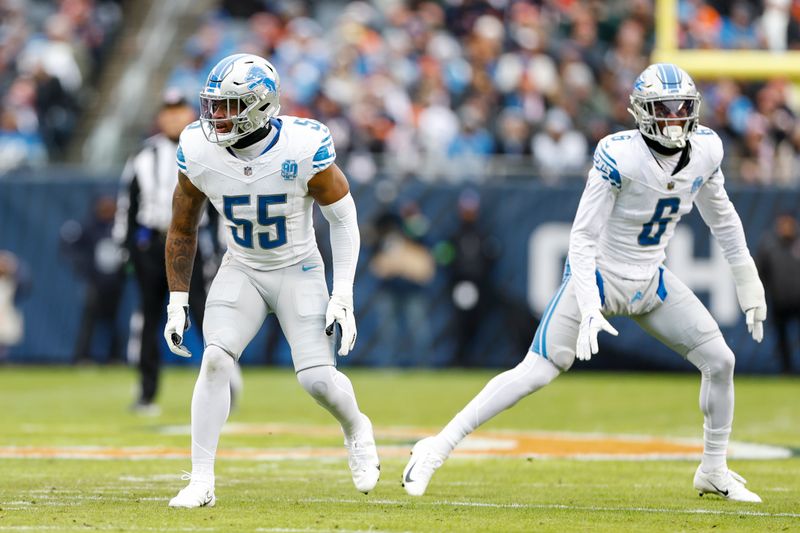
(502, 392)
(211, 402)
(715, 361)
(333, 391)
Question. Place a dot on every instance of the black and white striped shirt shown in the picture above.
(147, 184)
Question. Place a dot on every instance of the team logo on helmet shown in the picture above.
(258, 76)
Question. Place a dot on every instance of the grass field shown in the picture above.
(72, 458)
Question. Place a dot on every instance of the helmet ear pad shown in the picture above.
(250, 86)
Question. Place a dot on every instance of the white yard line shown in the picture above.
(190, 529)
(327, 454)
(105, 528)
(591, 508)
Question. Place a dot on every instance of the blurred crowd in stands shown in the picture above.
(50, 56)
(463, 90)
(456, 90)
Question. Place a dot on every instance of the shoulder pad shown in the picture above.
(191, 145)
(709, 145)
(315, 140)
(192, 140)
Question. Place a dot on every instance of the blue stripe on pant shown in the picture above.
(661, 292)
(539, 344)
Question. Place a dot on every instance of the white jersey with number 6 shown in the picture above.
(264, 203)
(631, 206)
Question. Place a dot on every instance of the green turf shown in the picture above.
(49, 407)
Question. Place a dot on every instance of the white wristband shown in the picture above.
(179, 298)
(745, 273)
(749, 289)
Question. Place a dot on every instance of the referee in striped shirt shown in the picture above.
(144, 212)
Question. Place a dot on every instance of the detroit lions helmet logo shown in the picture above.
(258, 76)
(698, 182)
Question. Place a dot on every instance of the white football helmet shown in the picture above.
(241, 94)
(666, 104)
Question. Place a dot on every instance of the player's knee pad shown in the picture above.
(217, 363)
(535, 371)
(317, 381)
(714, 359)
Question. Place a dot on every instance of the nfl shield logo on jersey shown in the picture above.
(289, 169)
(248, 171)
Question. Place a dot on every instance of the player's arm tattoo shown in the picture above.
(187, 207)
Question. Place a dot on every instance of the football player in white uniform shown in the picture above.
(263, 172)
(642, 182)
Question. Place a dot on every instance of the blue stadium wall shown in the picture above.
(529, 221)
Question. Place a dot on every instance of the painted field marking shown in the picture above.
(395, 442)
(188, 529)
(100, 528)
(554, 506)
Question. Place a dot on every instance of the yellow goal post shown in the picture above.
(713, 64)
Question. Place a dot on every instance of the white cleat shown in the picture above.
(195, 494)
(425, 460)
(725, 483)
(362, 458)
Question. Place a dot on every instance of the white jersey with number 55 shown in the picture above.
(633, 201)
(264, 203)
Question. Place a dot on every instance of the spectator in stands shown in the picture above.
(780, 122)
(778, 261)
(738, 30)
(55, 53)
(513, 135)
(472, 289)
(793, 31)
(57, 49)
(700, 24)
(98, 260)
(13, 283)
(437, 129)
(716, 105)
(18, 148)
(404, 267)
(144, 211)
(189, 75)
(471, 148)
(56, 111)
(775, 24)
(560, 150)
(628, 54)
(758, 151)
